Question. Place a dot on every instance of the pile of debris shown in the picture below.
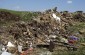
(36, 31)
(75, 16)
(79, 16)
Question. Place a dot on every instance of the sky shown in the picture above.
(41, 5)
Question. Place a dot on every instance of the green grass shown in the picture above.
(24, 15)
(80, 51)
(76, 27)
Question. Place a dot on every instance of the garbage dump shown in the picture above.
(38, 31)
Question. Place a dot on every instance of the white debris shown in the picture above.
(48, 40)
(6, 53)
(3, 49)
(64, 40)
(31, 44)
(20, 48)
(56, 17)
(10, 44)
(53, 36)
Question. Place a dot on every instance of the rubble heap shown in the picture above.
(79, 16)
(36, 30)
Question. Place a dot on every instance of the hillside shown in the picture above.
(24, 15)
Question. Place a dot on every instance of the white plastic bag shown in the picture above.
(56, 17)
(10, 44)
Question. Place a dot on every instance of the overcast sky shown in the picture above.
(40, 5)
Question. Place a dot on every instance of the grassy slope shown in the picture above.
(25, 15)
